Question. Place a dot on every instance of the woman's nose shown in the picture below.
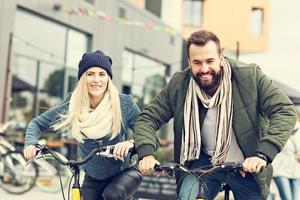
(96, 78)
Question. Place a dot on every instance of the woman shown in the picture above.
(95, 111)
(287, 167)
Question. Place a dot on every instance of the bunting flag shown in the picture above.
(79, 10)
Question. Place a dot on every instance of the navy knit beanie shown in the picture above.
(94, 59)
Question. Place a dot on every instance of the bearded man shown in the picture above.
(224, 111)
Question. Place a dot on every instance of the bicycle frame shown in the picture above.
(199, 173)
(75, 165)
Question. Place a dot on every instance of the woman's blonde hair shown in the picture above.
(80, 99)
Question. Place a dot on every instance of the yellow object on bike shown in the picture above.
(76, 194)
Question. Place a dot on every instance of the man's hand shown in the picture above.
(254, 164)
(147, 163)
(298, 158)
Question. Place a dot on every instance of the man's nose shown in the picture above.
(204, 68)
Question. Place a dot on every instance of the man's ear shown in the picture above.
(222, 58)
(189, 64)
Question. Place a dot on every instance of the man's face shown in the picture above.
(205, 64)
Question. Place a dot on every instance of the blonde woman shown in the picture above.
(95, 111)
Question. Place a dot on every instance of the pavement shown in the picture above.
(36, 194)
(33, 194)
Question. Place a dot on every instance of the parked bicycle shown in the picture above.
(74, 166)
(41, 173)
(14, 177)
(200, 173)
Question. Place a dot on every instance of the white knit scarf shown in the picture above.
(191, 134)
(98, 123)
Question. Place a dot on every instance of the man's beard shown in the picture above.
(207, 87)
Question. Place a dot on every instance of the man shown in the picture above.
(224, 110)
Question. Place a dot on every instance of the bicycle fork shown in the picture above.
(76, 195)
(76, 192)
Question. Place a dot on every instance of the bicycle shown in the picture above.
(74, 166)
(48, 176)
(199, 173)
(43, 172)
(14, 177)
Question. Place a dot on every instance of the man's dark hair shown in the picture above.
(200, 38)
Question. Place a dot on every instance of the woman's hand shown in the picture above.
(298, 158)
(30, 152)
(121, 149)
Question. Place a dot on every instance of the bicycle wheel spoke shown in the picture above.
(15, 178)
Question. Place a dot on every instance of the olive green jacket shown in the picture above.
(263, 116)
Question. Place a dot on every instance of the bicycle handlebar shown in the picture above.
(199, 173)
(105, 151)
(227, 166)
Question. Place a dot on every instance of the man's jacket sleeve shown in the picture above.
(155, 114)
(280, 112)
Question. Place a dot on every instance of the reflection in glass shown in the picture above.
(76, 45)
(48, 68)
(22, 89)
(142, 76)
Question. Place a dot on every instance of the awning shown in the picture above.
(19, 85)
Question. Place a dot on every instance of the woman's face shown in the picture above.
(97, 79)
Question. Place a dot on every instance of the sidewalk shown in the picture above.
(36, 194)
(33, 194)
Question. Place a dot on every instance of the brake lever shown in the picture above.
(39, 154)
(107, 153)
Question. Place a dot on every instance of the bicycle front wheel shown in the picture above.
(50, 173)
(15, 176)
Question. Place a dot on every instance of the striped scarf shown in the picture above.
(222, 99)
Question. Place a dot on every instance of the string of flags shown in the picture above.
(83, 11)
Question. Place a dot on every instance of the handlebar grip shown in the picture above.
(158, 168)
(112, 147)
(39, 148)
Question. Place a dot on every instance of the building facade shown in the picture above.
(241, 25)
(43, 41)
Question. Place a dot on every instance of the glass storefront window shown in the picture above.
(127, 67)
(77, 44)
(38, 37)
(144, 76)
(45, 56)
(22, 89)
